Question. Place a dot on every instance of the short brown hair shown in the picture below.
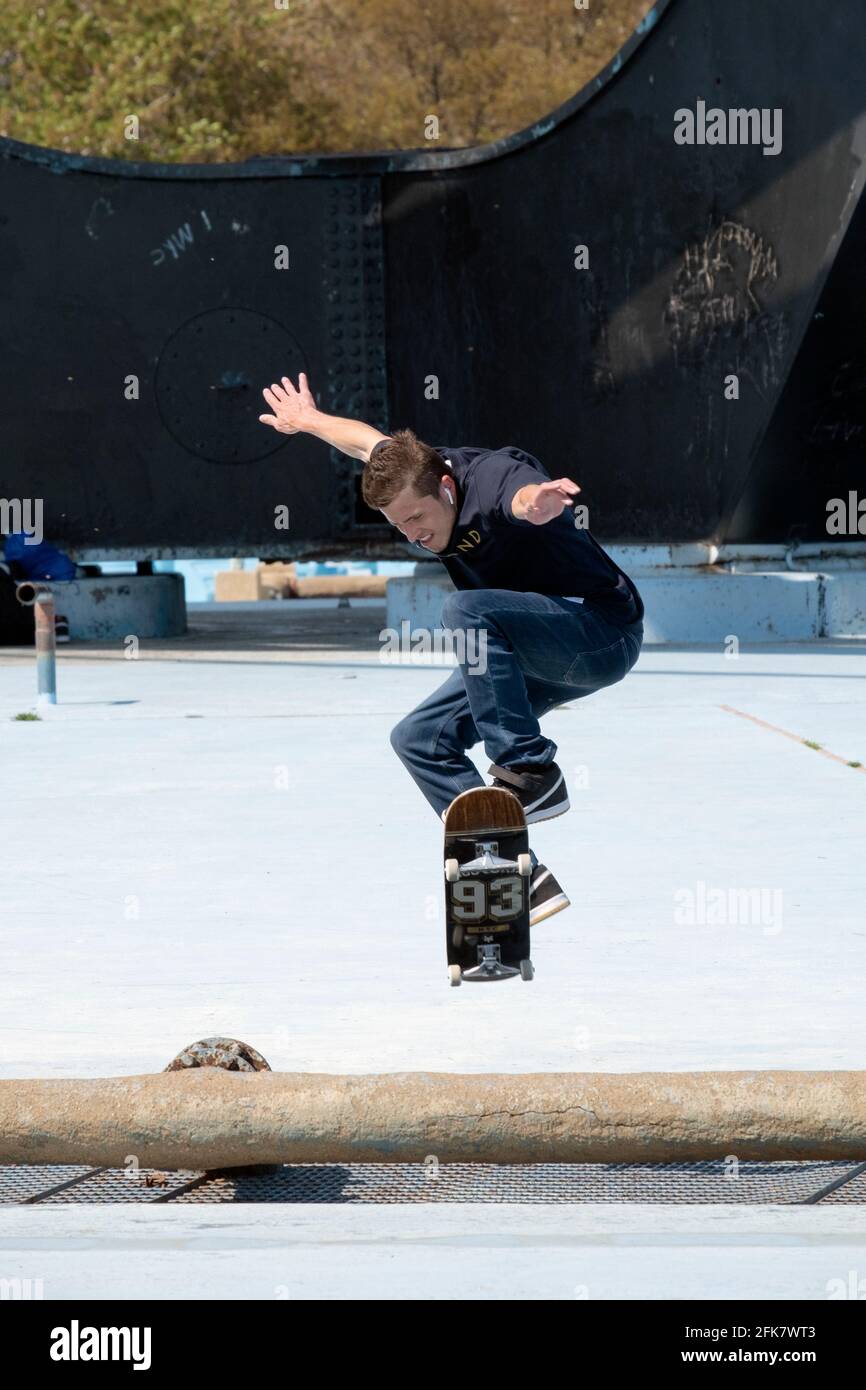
(398, 462)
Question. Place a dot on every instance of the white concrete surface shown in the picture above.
(476, 1251)
(225, 843)
(196, 847)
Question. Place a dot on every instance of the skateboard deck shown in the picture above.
(487, 873)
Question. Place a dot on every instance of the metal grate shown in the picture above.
(852, 1191)
(705, 1182)
(23, 1184)
(57, 1184)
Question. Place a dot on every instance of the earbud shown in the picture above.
(448, 495)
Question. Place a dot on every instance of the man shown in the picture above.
(557, 618)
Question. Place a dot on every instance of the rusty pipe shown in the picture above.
(41, 599)
(207, 1118)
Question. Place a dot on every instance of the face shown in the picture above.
(427, 521)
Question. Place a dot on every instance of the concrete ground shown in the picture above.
(456, 1252)
(216, 838)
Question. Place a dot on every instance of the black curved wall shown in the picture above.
(704, 260)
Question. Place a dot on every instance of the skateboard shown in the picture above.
(487, 873)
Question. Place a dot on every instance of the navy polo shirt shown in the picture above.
(491, 549)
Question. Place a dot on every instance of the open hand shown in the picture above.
(293, 408)
(548, 500)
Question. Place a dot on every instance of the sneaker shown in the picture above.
(540, 787)
(61, 628)
(545, 896)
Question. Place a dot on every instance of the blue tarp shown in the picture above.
(39, 561)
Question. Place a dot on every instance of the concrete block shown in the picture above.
(417, 598)
(845, 604)
(237, 586)
(694, 606)
(697, 605)
(120, 605)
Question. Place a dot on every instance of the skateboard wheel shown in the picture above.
(527, 970)
(524, 865)
(455, 974)
(452, 870)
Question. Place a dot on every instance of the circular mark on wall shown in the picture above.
(209, 381)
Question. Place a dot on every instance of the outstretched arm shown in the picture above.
(541, 502)
(295, 412)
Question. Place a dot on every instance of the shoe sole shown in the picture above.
(557, 904)
(558, 810)
(529, 809)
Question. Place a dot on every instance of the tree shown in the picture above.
(223, 80)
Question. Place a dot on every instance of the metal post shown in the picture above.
(41, 600)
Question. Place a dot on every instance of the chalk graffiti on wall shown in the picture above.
(178, 241)
(721, 287)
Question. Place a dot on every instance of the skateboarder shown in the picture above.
(557, 619)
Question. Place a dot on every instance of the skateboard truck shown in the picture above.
(487, 857)
(489, 965)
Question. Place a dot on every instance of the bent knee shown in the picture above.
(402, 737)
(461, 608)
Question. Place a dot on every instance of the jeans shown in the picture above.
(520, 655)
